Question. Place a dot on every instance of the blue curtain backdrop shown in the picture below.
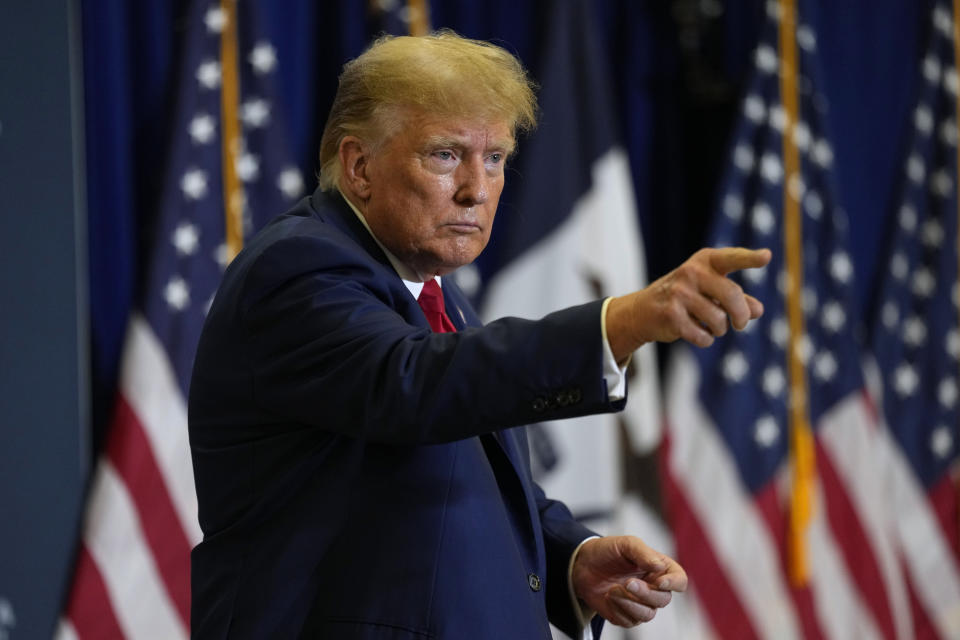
(677, 66)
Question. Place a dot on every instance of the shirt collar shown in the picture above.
(413, 280)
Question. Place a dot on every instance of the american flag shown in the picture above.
(132, 573)
(730, 456)
(916, 345)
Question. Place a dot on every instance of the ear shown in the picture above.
(354, 165)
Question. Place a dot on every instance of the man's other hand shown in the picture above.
(624, 580)
(695, 302)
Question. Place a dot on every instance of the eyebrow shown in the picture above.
(507, 145)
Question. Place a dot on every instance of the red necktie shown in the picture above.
(431, 301)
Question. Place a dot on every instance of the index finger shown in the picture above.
(730, 259)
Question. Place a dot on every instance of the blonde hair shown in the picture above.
(441, 73)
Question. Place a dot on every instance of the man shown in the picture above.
(360, 460)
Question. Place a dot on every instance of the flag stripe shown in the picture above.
(852, 442)
(117, 546)
(854, 544)
(697, 556)
(707, 476)
(89, 607)
(149, 384)
(131, 456)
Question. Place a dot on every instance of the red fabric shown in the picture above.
(431, 301)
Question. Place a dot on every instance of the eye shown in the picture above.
(443, 155)
(496, 158)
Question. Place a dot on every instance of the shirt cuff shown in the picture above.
(584, 615)
(614, 374)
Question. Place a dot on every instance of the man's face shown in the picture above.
(434, 187)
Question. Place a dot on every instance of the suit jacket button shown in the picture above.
(539, 404)
(534, 581)
(575, 396)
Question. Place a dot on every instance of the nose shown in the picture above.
(472, 183)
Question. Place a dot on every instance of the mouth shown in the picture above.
(463, 227)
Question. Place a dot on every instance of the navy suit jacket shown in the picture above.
(360, 476)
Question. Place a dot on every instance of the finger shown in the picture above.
(756, 307)
(673, 579)
(730, 299)
(644, 593)
(711, 315)
(627, 613)
(730, 259)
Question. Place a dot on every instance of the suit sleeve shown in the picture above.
(325, 343)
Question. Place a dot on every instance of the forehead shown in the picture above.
(420, 128)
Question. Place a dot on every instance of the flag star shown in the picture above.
(186, 238)
(733, 206)
(215, 19)
(941, 183)
(916, 170)
(923, 119)
(948, 133)
(773, 381)
(914, 331)
(194, 184)
(387, 5)
(908, 218)
(923, 283)
(947, 393)
(801, 136)
(755, 276)
(766, 59)
(955, 294)
(763, 219)
(943, 21)
(773, 10)
(735, 367)
(804, 348)
(778, 118)
(780, 332)
(248, 167)
(263, 57)
(208, 74)
(221, 255)
(825, 366)
(202, 128)
(806, 38)
(796, 186)
(950, 80)
(255, 113)
(290, 182)
(953, 344)
(766, 431)
(743, 158)
(841, 268)
(783, 282)
(177, 293)
(822, 154)
(890, 315)
(808, 300)
(813, 205)
(931, 233)
(754, 109)
(905, 380)
(468, 278)
(941, 441)
(833, 317)
(770, 168)
(899, 266)
(931, 69)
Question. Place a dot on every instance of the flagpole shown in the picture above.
(802, 456)
(233, 197)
